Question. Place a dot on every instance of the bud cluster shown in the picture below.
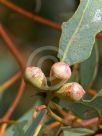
(60, 72)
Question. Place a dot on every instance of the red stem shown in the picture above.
(12, 47)
(30, 15)
(12, 108)
(12, 80)
(53, 125)
(15, 102)
(35, 17)
(88, 122)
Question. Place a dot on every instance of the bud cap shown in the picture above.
(71, 91)
(35, 76)
(61, 70)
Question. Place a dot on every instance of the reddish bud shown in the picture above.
(60, 73)
(61, 70)
(71, 91)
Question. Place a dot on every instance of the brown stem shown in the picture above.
(9, 82)
(35, 17)
(53, 125)
(12, 108)
(98, 134)
(16, 101)
(50, 127)
(92, 92)
(60, 110)
(9, 121)
(2, 130)
(88, 122)
(36, 110)
(30, 15)
(12, 47)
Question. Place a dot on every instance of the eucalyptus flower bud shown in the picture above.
(35, 76)
(60, 71)
(71, 91)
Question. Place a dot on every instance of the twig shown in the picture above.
(40, 107)
(9, 121)
(48, 129)
(98, 134)
(2, 130)
(37, 109)
(56, 117)
(35, 17)
(53, 125)
(60, 110)
(12, 47)
(12, 108)
(15, 102)
(30, 15)
(91, 92)
(9, 82)
(88, 122)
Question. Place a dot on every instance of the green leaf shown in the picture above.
(78, 34)
(34, 124)
(26, 117)
(95, 103)
(11, 131)
(79, 109)
(19, 128)
(87, 108)
(76, 131)
(98, 81)
(88, 69)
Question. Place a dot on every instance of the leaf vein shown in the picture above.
(73, 36)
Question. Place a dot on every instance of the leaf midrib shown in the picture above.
(74, 34)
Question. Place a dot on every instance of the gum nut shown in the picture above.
(73, 91)
(61, 70)
(35, 74)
